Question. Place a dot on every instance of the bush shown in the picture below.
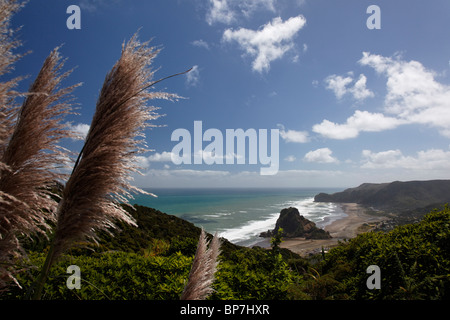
(414, 260)
(112, 276)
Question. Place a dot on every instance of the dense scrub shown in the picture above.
(153, 262)
(414, 260)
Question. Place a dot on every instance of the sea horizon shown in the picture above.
(240, 214)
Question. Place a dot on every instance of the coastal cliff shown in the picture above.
(396, 196)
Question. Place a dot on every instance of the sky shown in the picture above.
(355, 94)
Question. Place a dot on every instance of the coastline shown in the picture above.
(346, 227)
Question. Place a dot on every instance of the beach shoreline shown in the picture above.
(346, 227)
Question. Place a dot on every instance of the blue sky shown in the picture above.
(352, 104)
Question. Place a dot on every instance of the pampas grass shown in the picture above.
(99, 184)
(29, 148)
(203, 269)
(31, 157)
(100, 180)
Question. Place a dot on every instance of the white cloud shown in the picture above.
(222, 178)
(383, 159)
(293, 135)
(211, 157)
(413, 97)
(322, 155)
(220, 11)
(193, 76)
(428, 160)
(201, 44)
(339, 85)
(359, 90)
(361, 121)
(413, 94)
(142, 162)
(198, 173)
(81, 130)
(229, 11)
(290, 158)
(269, 43)
(250, 7)
(160, 157)
(166, 156)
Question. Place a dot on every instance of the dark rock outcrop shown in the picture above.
(295, 225)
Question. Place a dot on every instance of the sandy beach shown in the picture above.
(345, 228)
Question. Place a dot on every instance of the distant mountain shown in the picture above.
(396, 196)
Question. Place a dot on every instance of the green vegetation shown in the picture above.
(414, 260)
(153, 262)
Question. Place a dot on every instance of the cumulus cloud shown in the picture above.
(361, 121)
(340, 86)
(413, 96)
(220, 11)
(322, 155)
(81, 130)
(268, 43)
(160, 157)
(359, 90)
(142, 162)
(293, 135)
(432, 159)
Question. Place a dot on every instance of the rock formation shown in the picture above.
(295, 225)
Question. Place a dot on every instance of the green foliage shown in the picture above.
(276, 240)
(414, 260)
(153, 262)
(248, 274)
(253, 274)
(113, 276)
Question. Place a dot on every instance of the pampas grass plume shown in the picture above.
(100, 180)
(203, 268)
(29, 158)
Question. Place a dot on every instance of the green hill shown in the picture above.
(153, 262)
(396, 197)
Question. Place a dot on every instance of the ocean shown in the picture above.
(240, 215)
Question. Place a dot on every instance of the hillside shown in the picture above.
(395, 197)
(153, 262)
